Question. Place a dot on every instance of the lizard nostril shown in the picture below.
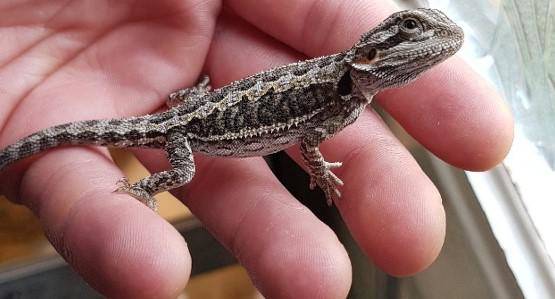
(372, 54)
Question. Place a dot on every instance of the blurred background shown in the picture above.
(500, 241)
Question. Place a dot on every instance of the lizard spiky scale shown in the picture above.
(300, 103)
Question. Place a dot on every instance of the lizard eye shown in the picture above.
(410, 25)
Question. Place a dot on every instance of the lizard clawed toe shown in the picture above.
(327, 181)
(123, 186)
(329, 186)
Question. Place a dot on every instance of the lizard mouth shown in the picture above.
(442, 47)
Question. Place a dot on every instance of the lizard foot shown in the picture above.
(123, 186)
(327, 181)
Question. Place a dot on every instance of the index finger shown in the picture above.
(449, 101)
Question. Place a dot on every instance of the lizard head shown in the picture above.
(402, 47)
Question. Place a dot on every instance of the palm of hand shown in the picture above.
(78, 60)
(96, 60)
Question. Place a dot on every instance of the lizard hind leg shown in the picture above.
(181, 159)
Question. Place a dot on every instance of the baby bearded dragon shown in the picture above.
(301, 103)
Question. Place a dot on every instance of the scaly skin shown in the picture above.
(301, 103)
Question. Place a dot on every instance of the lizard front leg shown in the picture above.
(320, 171)
(194, 93)
(181, 159)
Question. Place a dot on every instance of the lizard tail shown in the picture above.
(129, 132)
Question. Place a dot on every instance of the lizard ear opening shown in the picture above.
(345, 84)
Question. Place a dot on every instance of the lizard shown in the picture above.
(301, 103)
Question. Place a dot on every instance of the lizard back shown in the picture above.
(266, 112)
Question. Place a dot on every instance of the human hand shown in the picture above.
(117, 59)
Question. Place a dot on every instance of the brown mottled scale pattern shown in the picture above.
(304, 102)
